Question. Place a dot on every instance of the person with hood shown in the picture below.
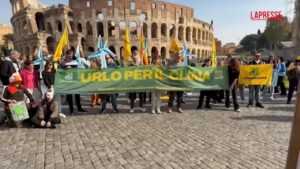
(48, 112)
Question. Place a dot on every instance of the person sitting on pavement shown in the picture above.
(14, 93)
(47, 114)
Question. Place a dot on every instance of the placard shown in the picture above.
(19, 111)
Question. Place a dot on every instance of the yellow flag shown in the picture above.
(127, 46)
(143, 50)
(62, 44)
(256, 74)
(174, 47)
(214, 55)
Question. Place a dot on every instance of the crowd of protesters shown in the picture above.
(23, 81)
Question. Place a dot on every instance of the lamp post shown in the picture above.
(293, 159)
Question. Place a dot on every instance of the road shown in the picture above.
(216, 139)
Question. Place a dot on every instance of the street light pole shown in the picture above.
(293, 159)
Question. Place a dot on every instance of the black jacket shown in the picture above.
(6, 70)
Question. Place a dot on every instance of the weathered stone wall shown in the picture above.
(87, 19)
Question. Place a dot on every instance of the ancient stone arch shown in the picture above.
(172, 31)
(194, 52)
(50, 42)
(89, 28)
(133, 28)
(163, 52)
(49, 28)
(112, 48)
(163, 30)
(198, 53)
(91, 49)
(154, 30)
(100, 28)
(59, 26)
(188, 34)
(111, 28)
(145, 30)
(79, 27)
(154, 52)
(194, 34)
(180, 33)
(181, 20)
(40, 21)
(72, 26)
(134, 48)
(199, 34)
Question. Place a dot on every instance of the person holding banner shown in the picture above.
(12, 94)
(233, 75)
(208, 94)
(176, 62)
(294, 77)
(69, 58)
(113, 96)
(155, 95)
(133, 95)
(254, 89)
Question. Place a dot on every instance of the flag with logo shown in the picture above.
(127, 46)
(256, 74)
(62, 44)
(214, 55)
(143, 49)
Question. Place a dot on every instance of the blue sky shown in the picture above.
(231, 17)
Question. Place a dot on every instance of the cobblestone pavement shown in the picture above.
(218, 138)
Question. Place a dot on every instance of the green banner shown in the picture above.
(135, 79)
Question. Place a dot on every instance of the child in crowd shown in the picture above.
(30, 78)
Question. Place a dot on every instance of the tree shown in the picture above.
(249, 42)
(277, 31)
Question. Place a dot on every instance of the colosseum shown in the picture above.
(35, 23)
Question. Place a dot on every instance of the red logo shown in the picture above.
(267, 15)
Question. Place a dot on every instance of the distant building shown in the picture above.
(218, 46)
(85, 20)
(229, 48)
(4, 29)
